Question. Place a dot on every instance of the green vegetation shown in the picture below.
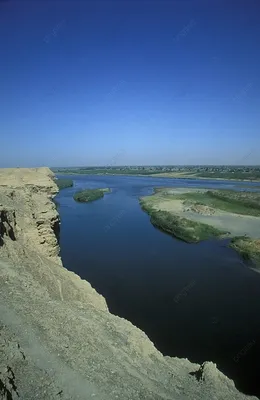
(236, 175)
(64, 183)
(248, 248)
(205, 202)
(177, 201)
(245, 203)
(182, 228)
(89, 195)
(188, 171)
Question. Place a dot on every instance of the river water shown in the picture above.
(195, 301)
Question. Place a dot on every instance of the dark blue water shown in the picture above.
(198, 301)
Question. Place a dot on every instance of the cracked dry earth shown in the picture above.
(57, 337)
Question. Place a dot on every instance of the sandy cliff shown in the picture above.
(57, 337)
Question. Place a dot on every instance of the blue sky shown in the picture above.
(129, 82)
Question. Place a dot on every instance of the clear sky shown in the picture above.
(129, 82)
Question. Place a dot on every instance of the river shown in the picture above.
(195, 301)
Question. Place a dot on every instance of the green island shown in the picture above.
(64, 183)
(241, 173)
(88, 195)
(193, 215)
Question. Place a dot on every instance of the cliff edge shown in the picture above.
(57, 337)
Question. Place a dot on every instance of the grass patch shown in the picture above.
(89, 195)
(64, 183)
(248, 248)
(245, 203)
(182, 228)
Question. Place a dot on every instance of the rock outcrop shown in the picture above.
(27, 211)
(57, 337)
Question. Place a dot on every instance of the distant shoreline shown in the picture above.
(161, 175)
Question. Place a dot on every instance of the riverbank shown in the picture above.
(195, 172)
(193, 215)
(64, 183)
(157, 175)
(195, 176)
(248, 248)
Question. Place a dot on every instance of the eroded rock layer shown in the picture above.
(57, 337)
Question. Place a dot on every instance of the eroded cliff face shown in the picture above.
(57, 337)
(7, 224)
(27, 212)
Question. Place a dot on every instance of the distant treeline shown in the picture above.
(248, 175)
